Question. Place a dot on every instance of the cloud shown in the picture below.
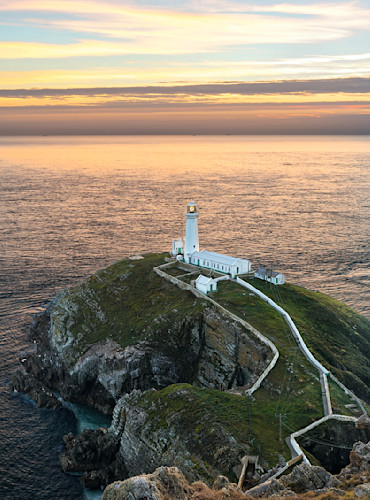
(179, 121)
(131, 29)
(176, 70)
(320, 86)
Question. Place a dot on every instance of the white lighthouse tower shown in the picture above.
(191, 234)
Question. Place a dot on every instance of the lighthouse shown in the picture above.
(191, 233)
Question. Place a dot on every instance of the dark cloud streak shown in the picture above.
(344, 85)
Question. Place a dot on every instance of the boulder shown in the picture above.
(164, 484)
(305, 477)
(359, 459)
(362, 491)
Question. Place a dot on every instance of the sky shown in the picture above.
(184, 67)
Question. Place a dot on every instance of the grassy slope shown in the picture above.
(128, 302)
(291, 388)
(198, 411)
(139, 305)
(337, 335)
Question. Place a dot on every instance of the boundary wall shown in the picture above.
(322, 370)
(256, 333)
(293, 444)
(349, 393)
(291, 439)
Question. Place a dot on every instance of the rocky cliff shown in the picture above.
(161, 361)
(124, 329)
(305, 481)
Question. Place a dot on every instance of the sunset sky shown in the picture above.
(207, 66)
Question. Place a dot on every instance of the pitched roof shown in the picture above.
(218, 257)
(204, 280)
(261, 271)
(269, 272)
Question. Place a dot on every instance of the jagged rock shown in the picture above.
(359, 459)
(363, 422)
(221, 482)
(273, 487)
(305, 477)
(36, 390)
(165, 483)
(362, 491)
(160, 431)
(95, 454)
(227, 489)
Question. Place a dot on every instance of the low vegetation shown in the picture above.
(337, 335)
(129, 303)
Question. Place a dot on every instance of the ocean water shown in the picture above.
(71, 205)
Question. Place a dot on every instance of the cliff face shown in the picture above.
(129, 343)
(180, 425)
(93, 352)
(177, 426)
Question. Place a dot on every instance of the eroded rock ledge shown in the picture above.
(305, 481)
(206, 349)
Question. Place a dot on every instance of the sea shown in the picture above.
(72, 205)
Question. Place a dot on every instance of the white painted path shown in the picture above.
(301, 343)
(324, 372)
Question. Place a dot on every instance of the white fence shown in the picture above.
(323, 371)
(262, 338)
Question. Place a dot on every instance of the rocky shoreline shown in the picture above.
(168, 373)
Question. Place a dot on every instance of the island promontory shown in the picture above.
(187, 379)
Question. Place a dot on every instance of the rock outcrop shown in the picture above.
(93, 453)
(164, 483)
(359, 459)
(168, 483)
(91, 353)
(175, 426)
(305, 478)
(37, 391)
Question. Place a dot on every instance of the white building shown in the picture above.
(177, 247)
(191, 233)
(220, 263)
(205, 284)
(270, 276)
(189, 250)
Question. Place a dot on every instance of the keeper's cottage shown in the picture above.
(188, 250)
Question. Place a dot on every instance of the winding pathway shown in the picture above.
(324, 372)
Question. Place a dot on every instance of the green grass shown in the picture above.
(174, 271)
(127, 302)
(339, 400)
(336, 335)
(292, 387)
(199, 411)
